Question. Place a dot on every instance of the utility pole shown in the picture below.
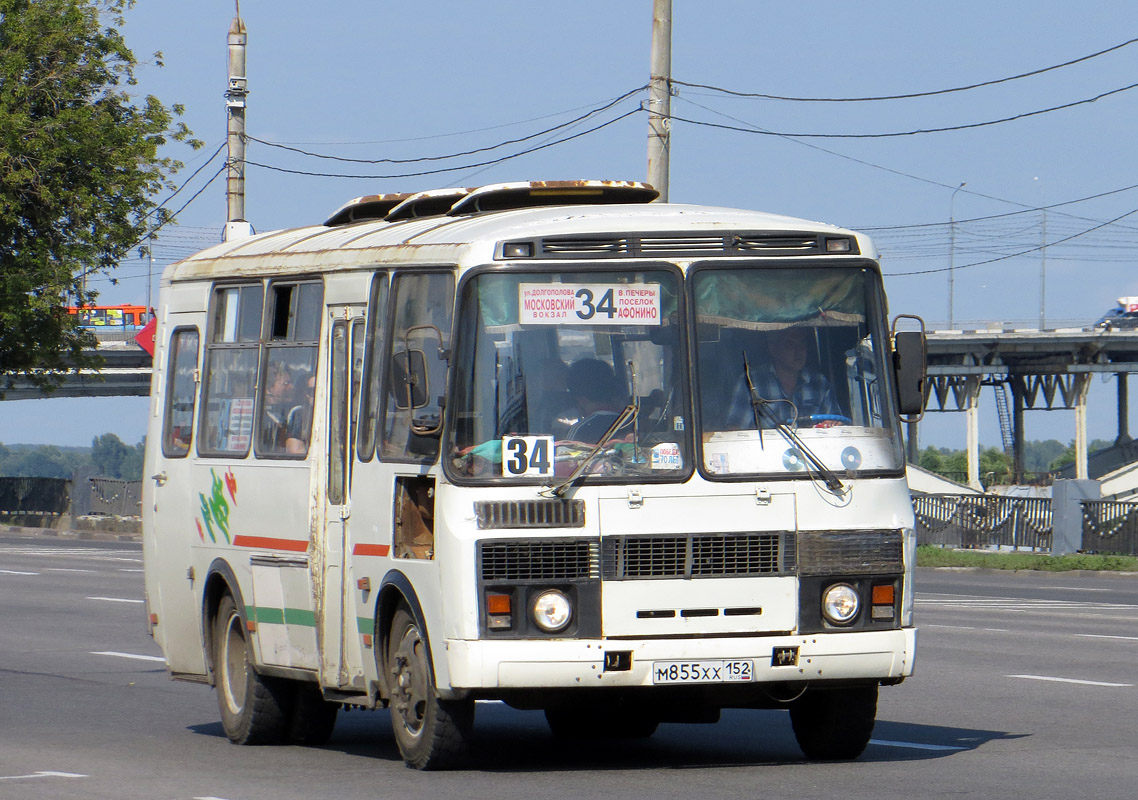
(1043, 272)
(660, 97)
(952, 252)
(236, 226)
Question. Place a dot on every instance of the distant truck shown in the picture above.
(1125, 316)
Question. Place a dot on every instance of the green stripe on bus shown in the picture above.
(282, 616)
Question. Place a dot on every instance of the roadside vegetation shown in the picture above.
(107, 456)
(929, 556)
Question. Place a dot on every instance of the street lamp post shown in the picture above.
(952, 251)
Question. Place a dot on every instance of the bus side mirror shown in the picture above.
(909, 361)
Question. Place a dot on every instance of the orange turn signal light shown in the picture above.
(883, 595)
(497, 604)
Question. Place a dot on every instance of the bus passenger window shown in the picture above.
(230, 374)
(181, 390)
(292, 329)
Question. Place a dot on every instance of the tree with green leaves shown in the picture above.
(82, 162)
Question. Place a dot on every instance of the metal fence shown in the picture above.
(115, 498)
(1110, 527)
(34, 496)
(984, 521)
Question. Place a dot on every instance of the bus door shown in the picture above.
(341, 663)
(173, 506)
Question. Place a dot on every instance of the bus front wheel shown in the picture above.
(252, 706)
(834, 724)
(431, 733)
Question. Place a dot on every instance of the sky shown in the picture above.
(376, 79)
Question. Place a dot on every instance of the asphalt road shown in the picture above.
(1026, 687)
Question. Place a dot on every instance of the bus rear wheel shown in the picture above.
(834, 724)
(252, 706)
(431, 733)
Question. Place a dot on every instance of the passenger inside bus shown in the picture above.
(280, 408)
(795, 391)
(597, 396)
(300, 417)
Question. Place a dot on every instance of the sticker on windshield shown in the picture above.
(589, 304)
(666, 455)
(527, 456)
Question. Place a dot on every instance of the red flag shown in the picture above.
(145, 337)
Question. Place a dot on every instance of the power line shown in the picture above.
(449, 169)
(1015, 255)
(1000, 216)
(454, 133)
(185, 183)
(901, 173)
(894, 134)
(547, 131)
(912, 95)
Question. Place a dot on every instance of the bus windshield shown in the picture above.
(570, 372)
(792, 360)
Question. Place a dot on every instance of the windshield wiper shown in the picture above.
(630, 412)
(761, 408)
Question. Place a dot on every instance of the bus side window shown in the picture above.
(232, 353)
(291, 332)
(181, 391)
(416, 356)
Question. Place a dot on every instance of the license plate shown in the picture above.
(703, 672)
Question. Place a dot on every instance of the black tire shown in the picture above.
(592, 723)
(431, 733)
(252, 707)
(313, 718)
(835, 724)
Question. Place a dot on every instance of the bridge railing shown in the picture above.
(1110, 526)
(984, 521)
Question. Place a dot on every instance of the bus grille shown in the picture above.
(850, 552)
(538, 560)
(713, 555)
(692, 245)
(531, 514)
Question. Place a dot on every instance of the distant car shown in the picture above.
(1117, 319)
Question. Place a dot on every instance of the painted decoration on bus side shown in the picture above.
(215, 508)
(589, 304)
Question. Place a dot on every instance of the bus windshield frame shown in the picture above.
(799, 346)
(580, 367)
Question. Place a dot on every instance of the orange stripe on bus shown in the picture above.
(267, 543)
(371, 550)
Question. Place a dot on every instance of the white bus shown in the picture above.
(548, 444)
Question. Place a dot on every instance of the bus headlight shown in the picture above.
(840, 603)
(552, 611)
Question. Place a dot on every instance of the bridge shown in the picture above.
(125, 373)
(1028, 370)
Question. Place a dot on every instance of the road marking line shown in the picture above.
(127, 655)
(916, 745)
(65, 569)
(117, 600)
(1107, 636)
(966, 628)
(15, 572)
(1069, 680)
(43, 775)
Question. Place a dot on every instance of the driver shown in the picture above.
(794, 390)
(598, 397)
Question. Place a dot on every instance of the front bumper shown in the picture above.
(531, 664)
